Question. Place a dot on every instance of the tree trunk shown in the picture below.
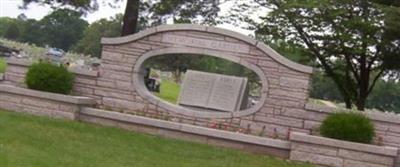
(345, 92)
(364, 70)
(347, 101)
(361, 103)
(177, 76)
(131, 17)
(363, 88)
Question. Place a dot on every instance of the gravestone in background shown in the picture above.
(213, 91)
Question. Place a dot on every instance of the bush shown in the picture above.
(50, 78)
(349, 126)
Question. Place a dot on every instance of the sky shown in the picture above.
(10, 8)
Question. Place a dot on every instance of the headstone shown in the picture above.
(213, 91)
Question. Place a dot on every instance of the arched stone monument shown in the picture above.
(120, 85)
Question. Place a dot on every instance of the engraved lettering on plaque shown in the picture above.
(213, 91)
(225, 93)
(195, 89)
(205, 43)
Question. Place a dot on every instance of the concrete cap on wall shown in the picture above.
(47, 95)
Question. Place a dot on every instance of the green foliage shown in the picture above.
(90, 43)
(11, 28)
(349, 126)
(38, 141)
(353, 41)
(185, 11)
(32, 33)
(150, 12)
(50, 78)
(12, 32)
(3, 65)
(385, 97)
(5, 22)
(324, 88)
(292, 51)
(62, 28)
(388, 2)
(392, 23)
(80, 5)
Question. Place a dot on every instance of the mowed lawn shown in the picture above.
(169, 91)
(3, 65)
(30, 141)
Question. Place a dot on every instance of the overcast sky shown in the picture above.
(10, 8)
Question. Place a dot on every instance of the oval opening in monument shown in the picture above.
(208, 85)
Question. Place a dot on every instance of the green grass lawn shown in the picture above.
(169, 91)
(30, 141)
(3, 65)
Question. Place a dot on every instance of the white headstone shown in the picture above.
(213, 91)
(196, 89)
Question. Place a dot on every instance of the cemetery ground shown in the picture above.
(3, 65)
(27, 140)
(169, 91)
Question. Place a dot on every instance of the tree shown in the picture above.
(12, 32)
(386, 96)
(174, 63)
(388, 2)
(348, 38)
(5, 22)
(131, 17)
(292, 51)
(155, 12)
(62, 28)
(90, 42)
(32, 32)
(324, 88)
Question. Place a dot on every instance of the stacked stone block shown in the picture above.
(42, 103)
(337, 153)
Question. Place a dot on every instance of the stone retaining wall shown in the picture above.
(337, 153)
(42, 103)
(76, 108)
(187, 132)
(300, 147)
(17, 68)
(387, 125)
